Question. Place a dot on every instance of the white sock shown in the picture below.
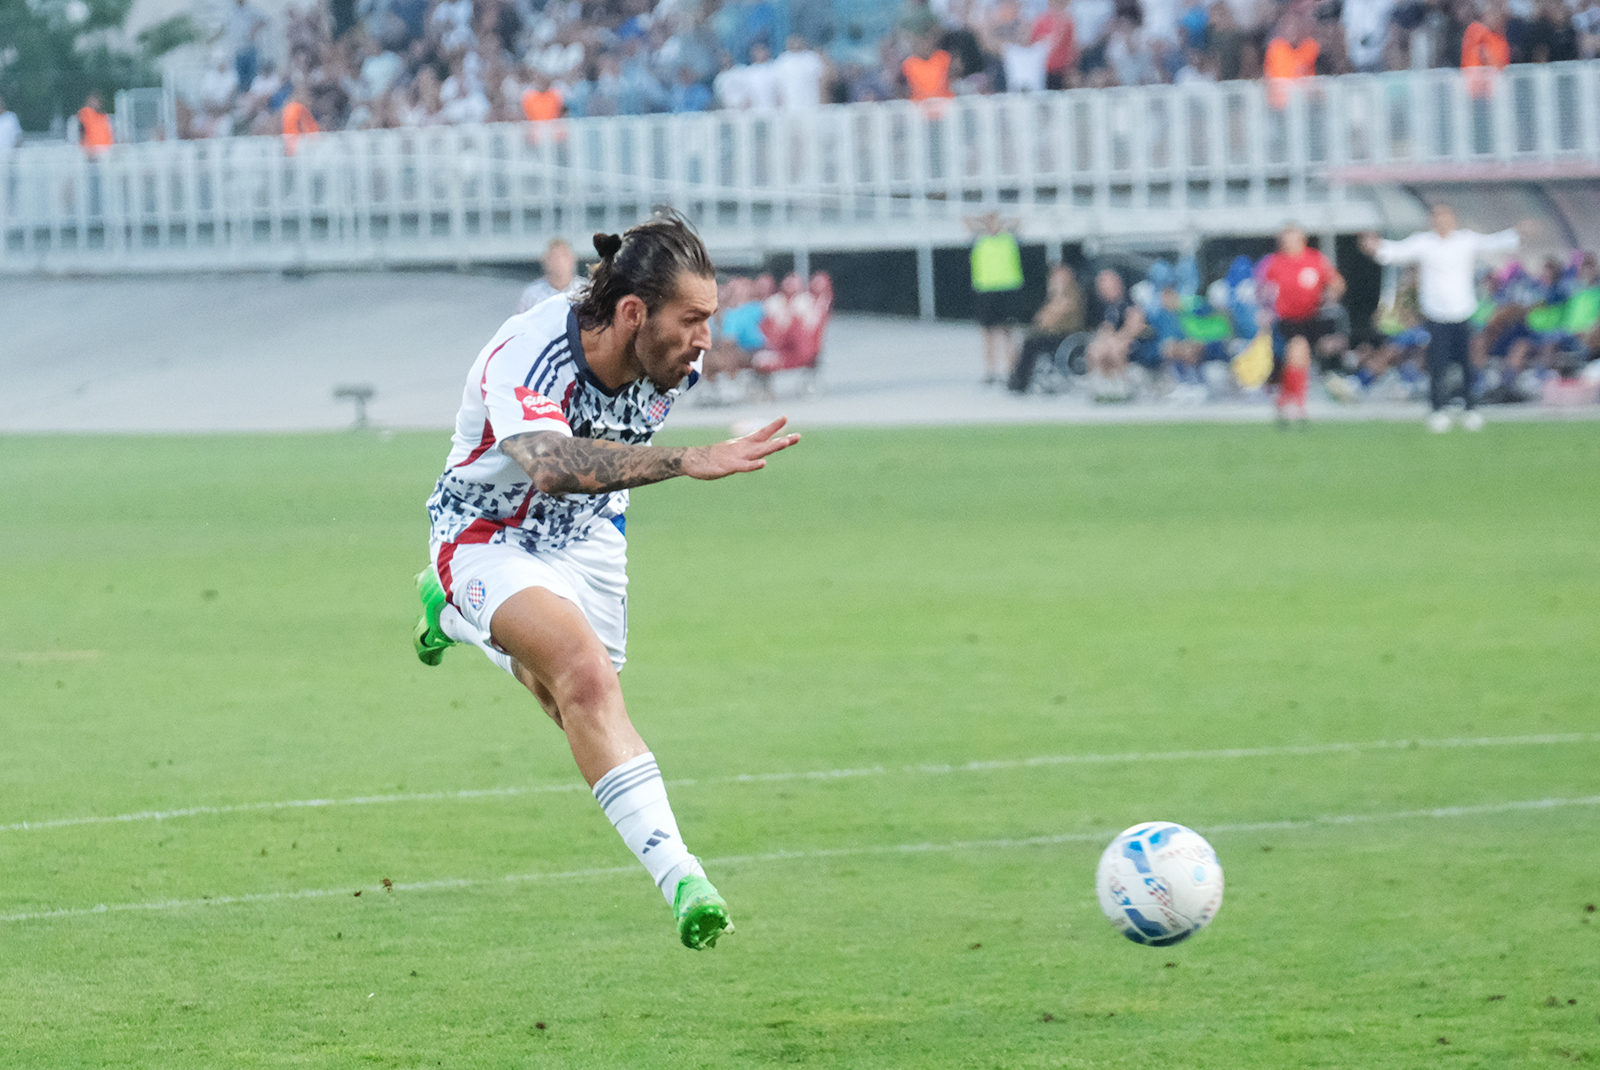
(457, 627)
(454, 625)
(635, 800)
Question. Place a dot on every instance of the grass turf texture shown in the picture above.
(223, 622)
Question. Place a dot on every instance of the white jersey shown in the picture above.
(532, 376)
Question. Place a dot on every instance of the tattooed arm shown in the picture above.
(559, 464)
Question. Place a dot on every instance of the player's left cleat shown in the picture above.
(701, 912)
(427, 637)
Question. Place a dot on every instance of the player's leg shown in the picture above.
(569, 670)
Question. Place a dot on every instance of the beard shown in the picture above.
(658, 358)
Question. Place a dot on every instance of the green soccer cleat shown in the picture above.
(427, 637)
(702, 913)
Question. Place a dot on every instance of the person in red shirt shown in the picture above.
(1297, 281)
(1056, 24)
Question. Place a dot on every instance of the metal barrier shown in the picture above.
(1134, 165)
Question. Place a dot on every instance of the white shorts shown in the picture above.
(591, 573)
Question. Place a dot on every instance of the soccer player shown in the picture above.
(527, 542)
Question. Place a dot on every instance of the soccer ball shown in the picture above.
(1159, 883)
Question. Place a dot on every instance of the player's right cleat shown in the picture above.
(701, 912)
(427, 637)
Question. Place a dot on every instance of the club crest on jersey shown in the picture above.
(476, 594)
(657, 410)
(535, 406)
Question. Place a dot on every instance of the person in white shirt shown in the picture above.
(761, 79)
(729, 87)
(10, 130)
(560, 265)
(799, 71)
(1446, 258)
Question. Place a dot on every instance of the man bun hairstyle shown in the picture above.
(645, 260)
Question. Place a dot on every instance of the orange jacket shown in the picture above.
(1483, 52)
(1482, 47)
(539, 107)
(1284, 63)
(297, 120)
(96, 136)
(929, 78)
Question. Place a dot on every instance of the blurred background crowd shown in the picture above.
(358, 64)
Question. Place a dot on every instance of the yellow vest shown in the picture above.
(996, 263)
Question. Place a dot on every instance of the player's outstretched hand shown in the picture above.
(744, 454)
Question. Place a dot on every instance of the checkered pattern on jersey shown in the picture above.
(532, 376)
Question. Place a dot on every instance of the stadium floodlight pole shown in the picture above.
(528, 545)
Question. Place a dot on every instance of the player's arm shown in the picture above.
(560, 464)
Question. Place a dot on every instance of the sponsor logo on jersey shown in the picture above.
(476, 594)
(535, 406)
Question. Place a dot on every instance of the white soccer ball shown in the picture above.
(1159, 883)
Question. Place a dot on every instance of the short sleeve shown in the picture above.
(515, 405)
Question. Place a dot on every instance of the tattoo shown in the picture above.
(563, 465)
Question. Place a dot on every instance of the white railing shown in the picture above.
(1122, 165)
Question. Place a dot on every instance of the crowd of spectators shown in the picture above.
(357, 64)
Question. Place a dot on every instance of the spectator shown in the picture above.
(240, 31)
(94, 128)
(297, 122)
(1286, 63)
(1054, 25)
(1366, 29)
(799, 73)
(689, 94)
(1484, 52)
(761, 79)
(1586, 25)
(10, 131)
(560, 276)
(541, 101)
(1230, 44)
(1121, 324)
(1062, 314)
(218, 87)
(729, 87)
(1023, 58)
(1445, 258)
(996, 285)
(927, 73)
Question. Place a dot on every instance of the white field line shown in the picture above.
(457, 884)
(1041, 761)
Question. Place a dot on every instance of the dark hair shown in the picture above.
(645, 261)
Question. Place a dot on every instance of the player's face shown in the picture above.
(672, 337)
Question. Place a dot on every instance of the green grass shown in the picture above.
(219, 624)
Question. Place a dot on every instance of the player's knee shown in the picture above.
(586, 684)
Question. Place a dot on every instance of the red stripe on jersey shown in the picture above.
(481, 448)
(478, 532)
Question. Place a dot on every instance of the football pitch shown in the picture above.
(904, 687)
